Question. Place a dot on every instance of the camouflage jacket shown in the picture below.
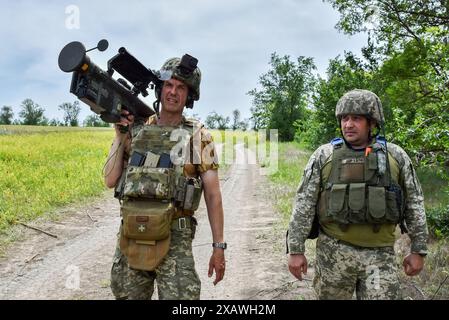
(308, 191)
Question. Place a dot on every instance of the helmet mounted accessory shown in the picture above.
(184, 69)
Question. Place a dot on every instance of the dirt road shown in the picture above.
(76, 264)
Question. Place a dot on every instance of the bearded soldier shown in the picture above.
(355, 191)
(159, 168)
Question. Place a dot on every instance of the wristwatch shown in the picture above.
(222, 245)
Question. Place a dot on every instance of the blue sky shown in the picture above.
(232, 39)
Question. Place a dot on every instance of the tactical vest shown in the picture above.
(359, 189)
(153, 189)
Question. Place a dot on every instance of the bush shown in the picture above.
(438, 222)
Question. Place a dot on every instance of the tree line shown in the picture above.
(405, 62)
(220, 122)
(32, 113)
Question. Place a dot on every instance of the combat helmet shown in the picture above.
(361, 102)
(185, 70)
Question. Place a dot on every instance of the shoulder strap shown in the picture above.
(337, 142)
(381, 140)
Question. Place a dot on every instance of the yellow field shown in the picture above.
(45, 167)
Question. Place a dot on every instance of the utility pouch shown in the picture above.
(376, 204)
(192, 193)
(337, 204)
(145, 233)
(150, 183)
(356, 202)
(180, 191)
(144, 255)
(147, 221)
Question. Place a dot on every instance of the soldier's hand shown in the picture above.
(413, 264)
(217, 263)
(126, 120)
(297, 264)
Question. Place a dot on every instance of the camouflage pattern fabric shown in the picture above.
(309, 189)
(362, 102)
(176, 276)
(144, 182)
(342, 269)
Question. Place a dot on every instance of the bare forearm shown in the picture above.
(114, 165)
(215, 213)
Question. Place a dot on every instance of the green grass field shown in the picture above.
(43, 168)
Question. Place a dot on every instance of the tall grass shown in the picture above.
(46, 167)
(292, 160)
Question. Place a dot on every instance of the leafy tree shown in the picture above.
(71, 113)
(55, 123)
(419, 106)
(409, 54)
(31, 113)
(216, 121)
(237, 123)
(284, 95)
(390, 23)
(6, 115)
(243, 125)
(94, 120)
(320, 126)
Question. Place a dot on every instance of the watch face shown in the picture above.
(221, 245)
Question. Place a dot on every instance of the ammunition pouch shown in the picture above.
(357, 203)
(188, 193)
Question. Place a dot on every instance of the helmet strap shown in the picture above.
(156, 107)
(189, 102)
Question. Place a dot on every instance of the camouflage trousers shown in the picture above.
(176, 276)
(342, 269)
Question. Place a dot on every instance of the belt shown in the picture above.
(183, 223)
(182, 213)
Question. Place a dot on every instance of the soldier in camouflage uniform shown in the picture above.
(356, 190)
(175, 274)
